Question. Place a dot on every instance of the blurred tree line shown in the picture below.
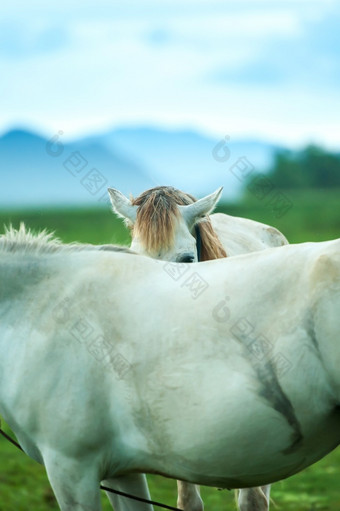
(300, 195)
(312, 167)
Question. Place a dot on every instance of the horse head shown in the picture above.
(164, 223)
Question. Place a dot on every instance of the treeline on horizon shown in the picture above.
(310, 168)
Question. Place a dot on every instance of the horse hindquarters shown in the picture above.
(325, 328)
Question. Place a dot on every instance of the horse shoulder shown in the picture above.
(325, 305)
(242, 235)
(326, 265)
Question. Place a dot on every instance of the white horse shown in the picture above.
(165, 223)
(112, 364)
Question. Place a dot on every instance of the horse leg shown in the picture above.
(254, 499)
(74, 483)
(189, 498)
(135, 484)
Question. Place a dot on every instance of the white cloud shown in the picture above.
(118, 63)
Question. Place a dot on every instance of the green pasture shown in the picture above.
(313, 216)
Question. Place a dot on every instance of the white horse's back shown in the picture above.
(241, 235)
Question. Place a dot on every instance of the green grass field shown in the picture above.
(313, 217)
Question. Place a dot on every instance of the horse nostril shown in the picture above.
(186, 258)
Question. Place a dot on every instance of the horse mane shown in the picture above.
(156, 221)
(43, 242)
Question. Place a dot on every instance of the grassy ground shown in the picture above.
(313, 216)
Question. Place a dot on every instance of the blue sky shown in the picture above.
(268, 69)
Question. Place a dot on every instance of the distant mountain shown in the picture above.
(37, 171)
(185, 159)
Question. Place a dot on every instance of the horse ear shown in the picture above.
(200, 208)
(122, 206)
